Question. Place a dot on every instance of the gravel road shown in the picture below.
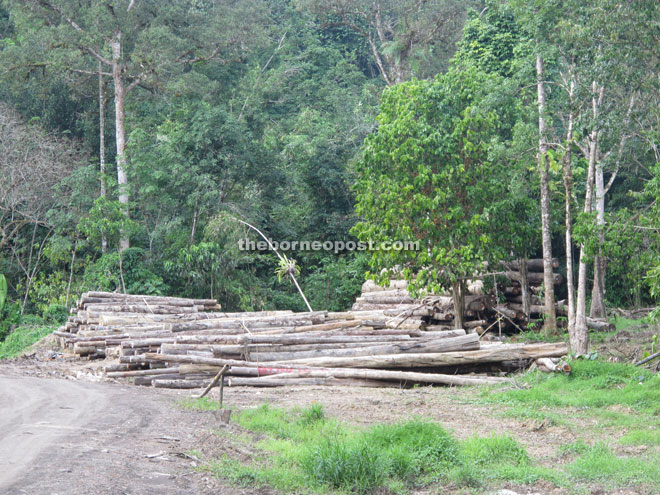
(76, 437)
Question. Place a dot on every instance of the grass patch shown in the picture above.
(600, 464)
(622, 323)
(647, 437)
(22, 338)
(303, 451)
(203, 404)
(592, 384)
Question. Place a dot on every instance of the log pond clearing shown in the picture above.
(594, 431)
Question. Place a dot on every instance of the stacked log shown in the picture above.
(387, 339)
(499, 310)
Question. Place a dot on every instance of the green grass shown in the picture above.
(203, 404)
(304, 451)
(22, 338)
(646, 436)
(622, 323)
(591, 384)
(599, 464)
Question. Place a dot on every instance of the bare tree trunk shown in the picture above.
(122, 179)
(458, 295)
(598, 291)
(524, 285)
(104, 240)
(598, 309)
(550, 323)
(73, 260)
(580, 338)
(568, 191)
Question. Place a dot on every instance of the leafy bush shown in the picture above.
(138, 277)
(56, 313)
(22, 338)
(10, 316)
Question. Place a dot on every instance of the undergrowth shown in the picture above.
(304, 451)
(22, 338)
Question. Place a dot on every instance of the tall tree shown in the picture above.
(138, 42)
(426, 176)
(401, 34)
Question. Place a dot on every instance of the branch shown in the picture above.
(91, 72)
(622, 144)
(279, 256)
(75, 26)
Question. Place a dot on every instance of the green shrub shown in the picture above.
(10, 316)
(22, 338)
(56, 313)
(414, 447)
(138, 276)
(350, 464)
(313, 414)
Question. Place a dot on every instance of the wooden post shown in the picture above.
(217, 377)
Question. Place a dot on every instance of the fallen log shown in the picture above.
(373, 374)
(464, 342)
(547, 365)
(488, 354)
(534, 277)
(127, 374)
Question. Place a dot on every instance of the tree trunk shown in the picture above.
(550, 322)
(598, 291)
(580, 338)
(524, 285)
(568, 191)
(458, 295)
(104, 240)
(122, 179)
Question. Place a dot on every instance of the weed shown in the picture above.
(203, 404)
(599, 463)
(641, 437)
(351, 464)
(22, 338)
(312, 414)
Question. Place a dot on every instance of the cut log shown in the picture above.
(465, 342)
(534, 278)
(496, 353)
(371, 286)
(547, 365)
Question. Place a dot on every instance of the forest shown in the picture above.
(137, 136)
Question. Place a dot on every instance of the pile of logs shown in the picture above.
(183, 343)
(498, 310)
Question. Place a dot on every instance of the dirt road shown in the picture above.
(73, 437)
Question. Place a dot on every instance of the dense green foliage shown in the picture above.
(275, 112)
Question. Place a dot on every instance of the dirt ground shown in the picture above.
(65, 429)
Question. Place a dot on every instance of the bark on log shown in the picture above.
(534, 278)
(503, 352)
(465, 342)
(371, 286)
(547, 365)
